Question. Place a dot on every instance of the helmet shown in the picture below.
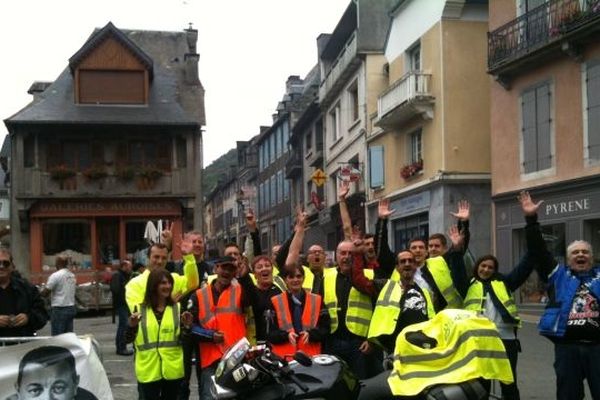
(470, 390)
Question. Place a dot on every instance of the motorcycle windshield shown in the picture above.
(232, 358)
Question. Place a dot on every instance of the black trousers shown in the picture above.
(160, 390)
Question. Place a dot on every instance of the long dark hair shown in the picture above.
(482, 259)
(154, 279)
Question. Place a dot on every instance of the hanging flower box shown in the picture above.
(125, 173)
(95, 173)
(61, 172)
(412, 169)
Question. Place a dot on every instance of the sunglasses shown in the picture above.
(5, 263)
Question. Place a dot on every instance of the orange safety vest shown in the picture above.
(227, 316)
(310, 318)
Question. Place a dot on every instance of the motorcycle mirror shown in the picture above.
(303, 359)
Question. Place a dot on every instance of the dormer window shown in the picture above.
(111, 69)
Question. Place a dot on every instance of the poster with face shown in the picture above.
(64, 367)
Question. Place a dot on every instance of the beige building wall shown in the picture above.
(565, 76)
(376, 82)
(465, 98)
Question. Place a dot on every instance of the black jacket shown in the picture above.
(28, 302)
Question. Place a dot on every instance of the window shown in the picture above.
(376, 167)
(405, 229)
(286, 189)
(334, 123)
(532, 291)
(414, 58)
(260, 157)
(285, 129)
(111, 87)
(353, 99)
(308, 141)
(592, 111)
(277, 139)
(271, 148)
(273, 191)
(76, 154)
(66, 234)
(416, 147)
(536, 129)
(591, 233)
(261, 197)
(282, 143)
(279, 187)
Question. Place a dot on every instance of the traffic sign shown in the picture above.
(319, 177)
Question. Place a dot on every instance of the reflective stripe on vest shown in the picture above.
(360, 309)
(468, 346)
(284, 320)
(443, 280)
(387, 309)
(158, 350)
(475, 299)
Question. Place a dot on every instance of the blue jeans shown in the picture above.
(61, 319)
(573, 363)
(123, 319)
(205, 377)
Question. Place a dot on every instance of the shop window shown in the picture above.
(533, 290)
(413, 227)
(135, 244)
(67, 236)
(107, 232)
(591, 233)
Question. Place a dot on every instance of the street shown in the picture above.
(536, 374)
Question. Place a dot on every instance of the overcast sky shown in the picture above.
(247, 50)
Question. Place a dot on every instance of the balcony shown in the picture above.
(293, 166)
(555, 26)
(407, 98)
(341, 69)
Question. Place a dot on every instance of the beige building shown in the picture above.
(545, 122)
(428, 146)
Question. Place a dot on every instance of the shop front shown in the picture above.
(571, 211)
(96, 234)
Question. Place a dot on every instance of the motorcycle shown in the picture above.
(247, 372)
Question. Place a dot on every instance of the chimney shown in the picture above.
(192, 38)
(37, 88)
(191, 68)
(294, 84)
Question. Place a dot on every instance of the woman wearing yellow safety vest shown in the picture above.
(490, 292)
(156, 328)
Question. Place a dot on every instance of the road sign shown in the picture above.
(319, 177)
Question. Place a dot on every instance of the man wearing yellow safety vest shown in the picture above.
(455, 347)
(399, 303)
(158, 254)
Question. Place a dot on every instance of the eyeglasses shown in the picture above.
(5, 263)
(316, 252)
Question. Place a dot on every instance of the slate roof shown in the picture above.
(172, 101)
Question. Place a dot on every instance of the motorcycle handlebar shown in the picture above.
(298, 382)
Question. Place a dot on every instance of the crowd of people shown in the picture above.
(182, 315)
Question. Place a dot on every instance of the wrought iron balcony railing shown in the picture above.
(543, 25)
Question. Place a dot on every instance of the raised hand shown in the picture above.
(527, 205)
(456, 237)
(166, 236)
(383, 209)
(463, 211)
(186, 245)
(301, 218)
(251, 220)
(343, 190)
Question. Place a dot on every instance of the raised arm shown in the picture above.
(293, 257)
(455, 260)
(359, 280)
(190, 270)
(344, 214)
(252, 226)
(462, 221)
(385, 256)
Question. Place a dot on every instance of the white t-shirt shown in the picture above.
(62, 284)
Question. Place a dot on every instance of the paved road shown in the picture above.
(536, 374)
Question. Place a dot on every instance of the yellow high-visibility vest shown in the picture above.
(468, 347)
(387, 309)
(360, 308)
(159, 354)
(475, 299)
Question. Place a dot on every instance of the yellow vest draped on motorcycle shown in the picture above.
(387, 309)
(158, 350)
(360, 308)
(468, 347)
(475, 299)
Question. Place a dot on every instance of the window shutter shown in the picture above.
(544, 131)
(593, 111)
(529, 131)
(376, 173)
